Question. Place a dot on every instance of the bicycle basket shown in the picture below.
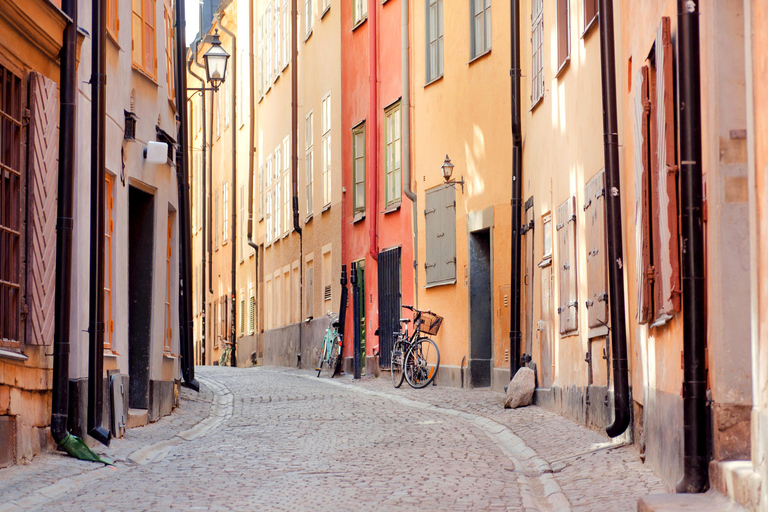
(430, 323)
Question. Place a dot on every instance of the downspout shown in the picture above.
(209, 232)
(373, 140)
(186, 345)
(202, 205)
(695, 464)
(406, 140)
(295, 149)
(252, 142)
(233, 129)
(613, 222)
(96, 294)
(62, 309)
(515, 335)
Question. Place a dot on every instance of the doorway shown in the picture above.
(361, 290)
(480, 309)
(389, 302)
(141, 238)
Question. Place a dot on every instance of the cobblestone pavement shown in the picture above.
(281, 439)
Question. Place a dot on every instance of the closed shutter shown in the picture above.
(224, 318)
(642, 204)
(440, 220)
(665, 177)
(252, 314)
(41, 208)
(597, 289)
(310, 291)
(566, 241)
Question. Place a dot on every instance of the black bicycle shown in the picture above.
(416, 358)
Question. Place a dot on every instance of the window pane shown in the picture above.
(488, 26)
(479, 37)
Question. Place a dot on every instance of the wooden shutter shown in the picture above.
(566, 242)
(440, 218)
(41, 208)
(563, 31)
(644, 264)
(597, 286)
(666, 240)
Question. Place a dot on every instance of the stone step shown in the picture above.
(137, 418)
(711, 501)
(737, 480)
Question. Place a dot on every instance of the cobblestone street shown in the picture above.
(281, 439)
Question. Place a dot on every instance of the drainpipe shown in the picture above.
(96, 295)
(209, 232)
(252, 142)
(233, 129)
(406, 140)
(295, 150)
(202, 205)
(695, 464)
(613, 222)
(62, 312)
(373, 141)
(186, 345)
(515, 335)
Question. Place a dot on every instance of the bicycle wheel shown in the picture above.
(322, 354)
(333, 357)
(421, 363)
(396, 363)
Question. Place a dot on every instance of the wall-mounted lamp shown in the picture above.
(216, 62)
(156, 152)
(447, 170)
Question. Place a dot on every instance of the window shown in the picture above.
(243, 224)
(242, 315)
(359, 11)
(113, 20)
(251, 311)
(656, 184)
(286, 31)
(223, 317)
(168, 254)
(270, 202)
(224, 212)
(269, 35)
(546, 222)
(480, 41)
(144, 51)
(327, 278)
(169, 78)
(537, 51)
(261, 56)
(261, 192)
(308, 155)
(590, 13)
(309, 15)
(278, 41)
(287, 186)
(278, 205)
(434, 53)
(309, 282)
(227, 93)
(568, 276)
(11, 109)
(440, 220)
(109, 328)
(563, 32)
(597, 266)
(219, 109)
(326, 129)
(324, 6)
(358, 165)
(215, 227)
(392, 156)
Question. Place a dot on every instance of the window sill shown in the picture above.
(479, 56)
(392, 208)
(358, 217)
(13, 356)
(536, 103)
(309, 218)
(356, 25)
(440, 283)
(144, 74)
(569, 334)
(326, 208)
(307, 36)
(168, 355)
(322, 15)
(113, 38)
(563, 66)
(108, 352)
(434, 80)
(588, 28)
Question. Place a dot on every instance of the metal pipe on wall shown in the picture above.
(295, 151)
(373, 120)
(406, 138)
(96, 287)
(515, 335)
(621, 403)
(356, 318)
(695, 461)
(251, 156)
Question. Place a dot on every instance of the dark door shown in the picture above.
(527, 312)
(389, 302)
(361, 282)
(480, 308)
(141, 236)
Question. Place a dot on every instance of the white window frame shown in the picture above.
(287, 186)
(309, 17)
(359, 12)
(308, 160)
(434, 40)
(537, 51)
(480, 16)
(325, 125)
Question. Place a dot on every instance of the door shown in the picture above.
(389, 302)
(480, 308)
(361, 282)
(527, 312)
(544, 328)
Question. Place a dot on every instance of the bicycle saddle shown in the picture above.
(405, 320)
(335, 324)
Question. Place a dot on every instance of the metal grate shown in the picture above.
(327, 293)
(7, 441)
(389, 302)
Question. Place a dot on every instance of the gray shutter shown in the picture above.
(597, 290)
(440, 221)
(447, 211)
(566, 242)
(430, 220)
(41, 208)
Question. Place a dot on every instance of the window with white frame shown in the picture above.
(359, 11)
(324, 6)
(358, 152)
(268, 37)
(224, 212)
(286, 31)
(434, 53)
(308, 16)
(268, 196)
(260, 36)
(326, 149)
(261, 191)
(480, 11)
(392, 163)
(308, 156)
(537, 51)
(278, 41)
(243, 223)
(287, 186)
(278, 207)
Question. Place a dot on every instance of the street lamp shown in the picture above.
(216, 62)
(447, 170)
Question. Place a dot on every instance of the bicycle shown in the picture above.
(330, 352)
(225, 355)
(416, 358)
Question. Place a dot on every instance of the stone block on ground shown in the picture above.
(520, 389)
